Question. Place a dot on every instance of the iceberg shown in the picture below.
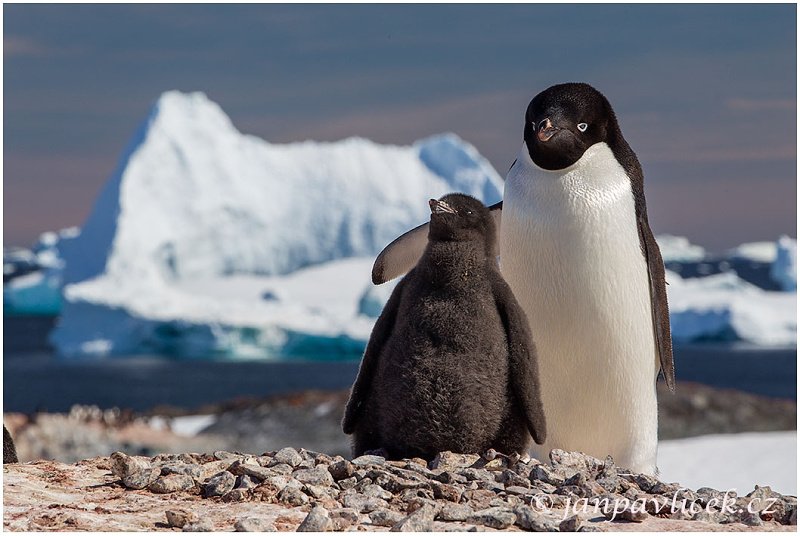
(725, 308)
(784, 268)
(35, 277)
(207, 242)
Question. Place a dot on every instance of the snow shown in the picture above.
(784, 269)
(679, 249)
(724, 307)
(732, 461)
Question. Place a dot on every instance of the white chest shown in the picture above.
(569, 249)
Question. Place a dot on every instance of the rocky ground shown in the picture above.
(288, 490)
(311, 420)
(74, 483)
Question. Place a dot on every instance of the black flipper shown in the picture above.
(402, 254)
(523, 361)
(366, 371)
(658, 297)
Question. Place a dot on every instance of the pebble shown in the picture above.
(200, 525)
(420, 520)
(385, 518)
(293, 496)
(455, 512)
(219, 484)
(496, 518)
(287, 455)
(341, 469)
(254, 524)
(172, 483)
(178, 518)
(453, 492)
(317, 520)
(141, 479)
(123, 465)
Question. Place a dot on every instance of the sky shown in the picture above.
(706, 95)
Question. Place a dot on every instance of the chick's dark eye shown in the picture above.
(469, 213)
(582, 127)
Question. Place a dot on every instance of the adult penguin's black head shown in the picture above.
(460, 217)
(563, 121)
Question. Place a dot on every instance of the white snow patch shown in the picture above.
(784, 270)
(191, 425)
(755, 251)
(732, 461)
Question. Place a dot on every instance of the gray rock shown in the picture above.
(449, 477)
(480, 475)
(178, 518)
(287, 455)
(384, 517)
(224, 455)
(368, 459)
(254, 524)
(530, 519)
(578, 479)
(237, 495)
(219, 484)
(318, 476)
(341, 469)
(347, 483)
(172, 483)
(455, 512)
(293, 496)
(496, 518)
(349, 514)
(142, 479)
(449, 461)
(645, 482)
(190, 469)
(545, 474)
(571, 524)
(361, 503)
(246, 482)
(511, 478)
(576, 460)
(317, 520)
(420, 520)
(282, 468)
(199, 525)
(253, 470)
(123, 465)
(373, 490)
(447, 492)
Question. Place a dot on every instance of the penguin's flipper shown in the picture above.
(523, 360)
(366, 371)
(658, 297)
(402, 254)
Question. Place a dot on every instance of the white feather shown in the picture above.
(569, 247)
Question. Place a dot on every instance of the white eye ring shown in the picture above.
(582, 127)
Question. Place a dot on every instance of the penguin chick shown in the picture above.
(450, 364)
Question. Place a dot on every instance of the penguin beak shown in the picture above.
(545, 130)
(438, 207)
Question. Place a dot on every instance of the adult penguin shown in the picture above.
(577, 251)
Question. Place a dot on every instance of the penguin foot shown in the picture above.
(377, 452)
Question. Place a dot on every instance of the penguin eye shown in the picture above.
(582, 127)
(469, 213)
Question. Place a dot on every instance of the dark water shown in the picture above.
(33, 379)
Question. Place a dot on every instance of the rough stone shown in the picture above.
(219, 484)
(455, 512)
(420, 520)
(571, 524)
(317, 520)
(341, 470)
(287, 455)
(384, 517)
(533, 520)
(141, 479)
(293, 496)
(368, 459)
(172, 483)
(123, 465)
(254, 524)
(318, 476)
(199, 525)
(496, 518)
(178, 518)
